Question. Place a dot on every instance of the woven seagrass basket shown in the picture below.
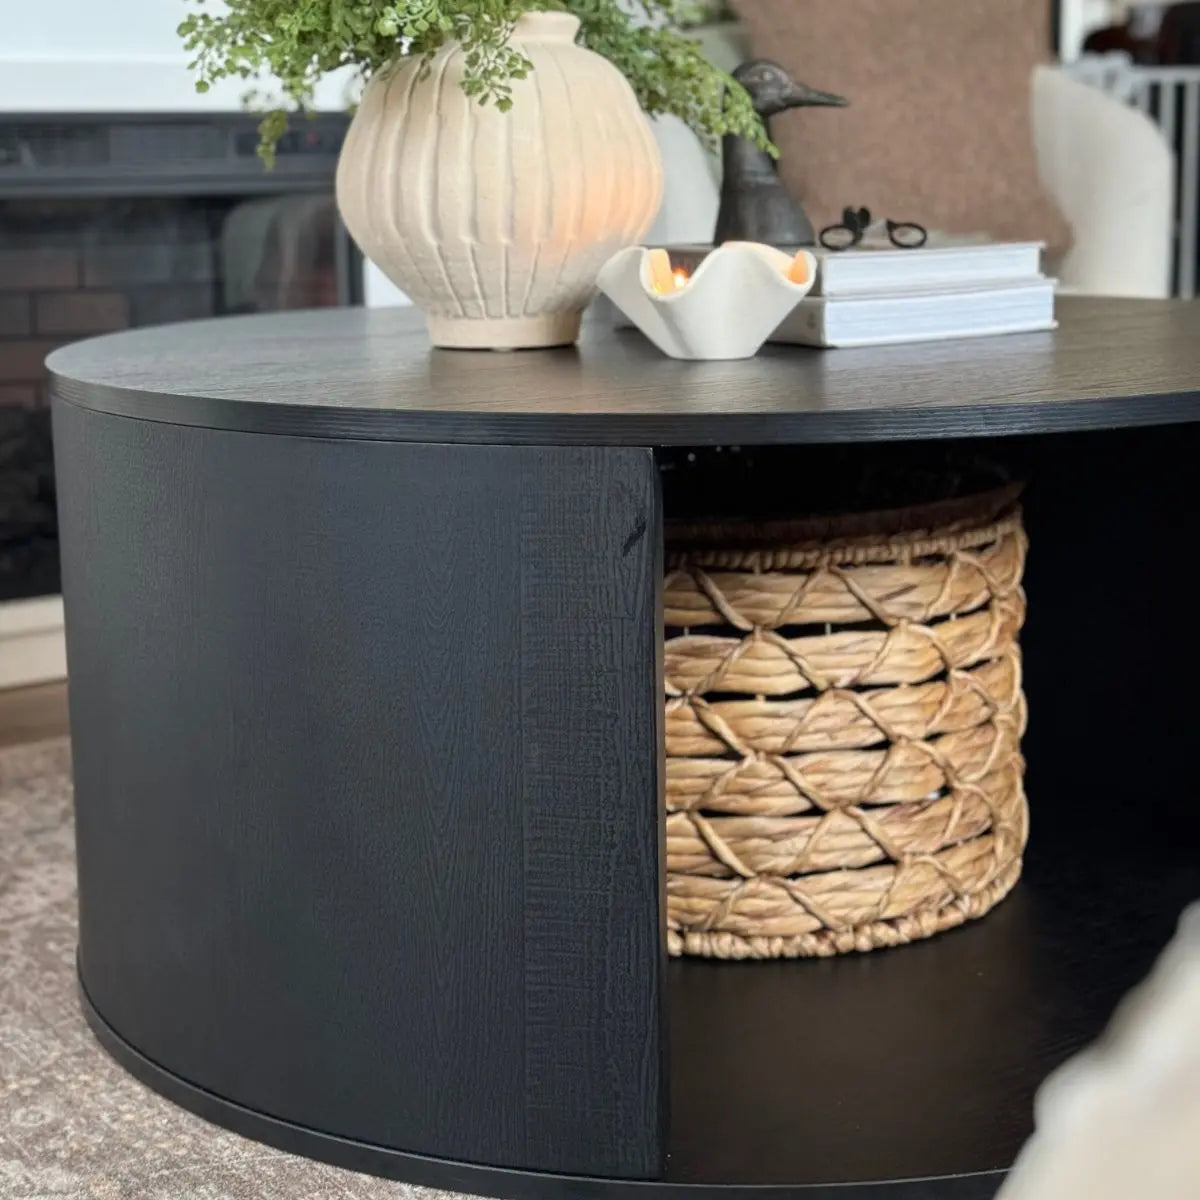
(843, 723)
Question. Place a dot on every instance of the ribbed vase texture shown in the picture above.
(496, 224)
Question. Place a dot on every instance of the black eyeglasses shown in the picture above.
(904, 235)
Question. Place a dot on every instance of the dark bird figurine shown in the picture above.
(755, 204)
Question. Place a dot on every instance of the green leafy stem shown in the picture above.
(299, 41)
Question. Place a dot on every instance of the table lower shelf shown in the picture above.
(909, 1074)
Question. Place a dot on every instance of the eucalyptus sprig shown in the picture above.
(299, 41)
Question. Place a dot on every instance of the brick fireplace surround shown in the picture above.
(109, 221)
(72, 268)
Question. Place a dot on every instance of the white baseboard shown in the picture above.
(32, 646)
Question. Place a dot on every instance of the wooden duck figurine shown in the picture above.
(755, 204)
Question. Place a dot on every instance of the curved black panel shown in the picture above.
(366, 780)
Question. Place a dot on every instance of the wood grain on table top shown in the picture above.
(360, 373)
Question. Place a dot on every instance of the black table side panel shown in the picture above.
(327, 868)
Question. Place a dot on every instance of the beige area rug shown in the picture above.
(73, 1125)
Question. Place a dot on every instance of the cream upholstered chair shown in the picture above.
(1113, 175)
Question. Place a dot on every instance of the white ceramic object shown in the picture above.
(496, 224)
(733, 302)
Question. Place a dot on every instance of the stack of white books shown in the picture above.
(866, 297)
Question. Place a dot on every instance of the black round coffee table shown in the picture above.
(366, 708)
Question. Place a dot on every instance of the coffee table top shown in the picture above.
(354, 373)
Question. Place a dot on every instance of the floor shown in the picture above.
(32, 714)
(73, 1125)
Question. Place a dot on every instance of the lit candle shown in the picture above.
(724, 306)
(797, 271)
(664, 279)
(667, 280)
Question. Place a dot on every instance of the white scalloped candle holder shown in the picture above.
(733, 302)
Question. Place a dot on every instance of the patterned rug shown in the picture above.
(73, 1125)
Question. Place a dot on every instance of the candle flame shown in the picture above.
(664, 279)
(797, 272)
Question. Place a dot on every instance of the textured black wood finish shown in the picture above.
(255, 808)
(357, 374)
(925, 1061)
(592, 834)
(492, 1181)
(838, 1079)
(326, 871)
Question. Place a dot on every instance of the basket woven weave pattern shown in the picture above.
(850, 788)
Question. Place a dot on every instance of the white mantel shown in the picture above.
(143, 83)
(115, 29)
(115, 56)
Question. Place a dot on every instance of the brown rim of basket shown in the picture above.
(793, 541)
(874, 935)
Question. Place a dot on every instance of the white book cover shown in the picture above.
(929, 315)
(948, 263)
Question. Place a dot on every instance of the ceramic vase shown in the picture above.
(497, 224)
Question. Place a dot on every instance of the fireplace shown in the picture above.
(111, 221)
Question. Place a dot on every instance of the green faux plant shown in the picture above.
(298, 41)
